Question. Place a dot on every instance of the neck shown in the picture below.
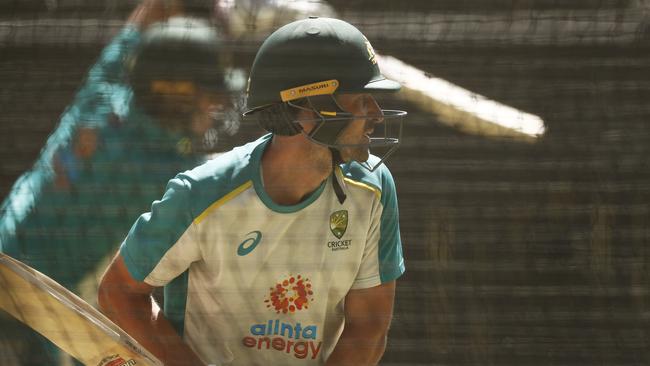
(293, 168)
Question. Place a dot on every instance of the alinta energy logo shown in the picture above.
(286, 297)
(290, 295)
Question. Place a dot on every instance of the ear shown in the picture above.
(306, 119)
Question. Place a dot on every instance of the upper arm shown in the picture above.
(160, 245)
(382, 259)
(152, 11)
(117, 277)
(371, 309)
(111, 66)
(117, 282)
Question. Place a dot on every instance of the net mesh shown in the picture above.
(518, 252)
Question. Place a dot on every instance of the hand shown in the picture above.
(153, 11)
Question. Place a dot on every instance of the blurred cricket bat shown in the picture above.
(460, 108)
(65, 319)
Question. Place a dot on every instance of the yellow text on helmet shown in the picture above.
(319, 88)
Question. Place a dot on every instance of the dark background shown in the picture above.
(517, 253)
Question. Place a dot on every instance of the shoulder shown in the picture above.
(229, 166)
(222, 175)
(380, 180)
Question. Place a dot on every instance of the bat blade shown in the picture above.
(460, 108)
(65, 319)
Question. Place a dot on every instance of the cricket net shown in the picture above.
(522, 247)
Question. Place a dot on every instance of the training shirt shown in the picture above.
(250, 282)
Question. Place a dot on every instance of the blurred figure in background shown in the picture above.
(147, 109)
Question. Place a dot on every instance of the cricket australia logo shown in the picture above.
(339, 223)
(372, 56)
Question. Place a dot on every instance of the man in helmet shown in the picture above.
(285, 250)
(139, 118)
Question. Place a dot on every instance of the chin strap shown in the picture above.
(338, 182)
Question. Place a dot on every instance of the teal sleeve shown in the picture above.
(391, 260)
(105, 89)
(155, 232)
(112, 64)
(90, 108)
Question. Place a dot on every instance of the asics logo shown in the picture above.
(252, 239)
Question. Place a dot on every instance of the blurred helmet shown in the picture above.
(175, 61)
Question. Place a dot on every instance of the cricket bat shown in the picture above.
(65, 319)
(460, 108)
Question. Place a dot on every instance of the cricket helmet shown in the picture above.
(306, 63)
(176, 59)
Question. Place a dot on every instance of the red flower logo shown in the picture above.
(289, 295)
